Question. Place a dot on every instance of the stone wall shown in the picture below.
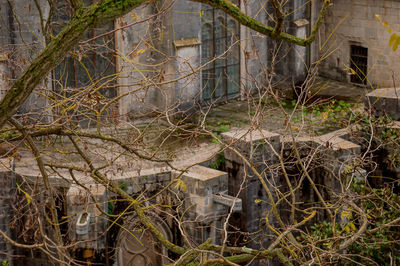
(354, 23)
(160, 48)
(291, 62)
(256, 147)
(7, 195)
(20, 42)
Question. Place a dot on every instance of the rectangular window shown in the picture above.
(87, 73)
(220, 76)
(358, 64)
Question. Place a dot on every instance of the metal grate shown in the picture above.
(219, 33)
(359, 64)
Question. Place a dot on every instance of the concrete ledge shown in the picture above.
(187, 42)
(251, 143)
(202, 181)
(385, 102)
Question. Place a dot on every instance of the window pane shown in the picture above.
(85, 71)
(221, 78)
(234, 55)
(220, 49)
(105, 71)
(233, 29)
(220, 82)
(208, 84)
(233, 79)
(206, 54)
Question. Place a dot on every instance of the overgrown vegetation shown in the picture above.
(379, 244)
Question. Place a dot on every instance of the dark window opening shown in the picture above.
(219, 33)
(358, 64)
(87, 73)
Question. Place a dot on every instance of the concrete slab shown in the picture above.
(254, 144)
(125, 168)
(201, 173)
(247, 135)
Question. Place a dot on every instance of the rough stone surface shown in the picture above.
(7, 195)
(205, 216)
(255, 144)
(385, 101)
(257, 147)
(354, 23)
(78, 201)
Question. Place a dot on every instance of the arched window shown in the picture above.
(220, 49)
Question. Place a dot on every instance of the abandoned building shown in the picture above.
(351, 35)
(211, 59)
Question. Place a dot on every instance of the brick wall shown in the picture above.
(354, 22)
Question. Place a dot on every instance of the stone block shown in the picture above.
(134, 188)
(370, 33)
(385, 101)
(164, 177)
(255, 144)
(146, 179)
(79, 202)
(151, 187)
(202, 184)
(203, 181)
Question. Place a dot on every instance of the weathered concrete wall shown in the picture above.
(81, 205)
(182, 24)
(300, 54)
(254, 50)
(187, 31)
(187, 90)
(256, 146)
(21, 40)
(7, 195)
(204, 217)
(150, 55)
(5, 75)
(147, 54)
(133, 61)
(4, 26)
(384, 102)
(354, 22)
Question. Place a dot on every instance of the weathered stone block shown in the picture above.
(164, 177)
(79, 202)
(203, 181)
(253, 144)
(385, 102)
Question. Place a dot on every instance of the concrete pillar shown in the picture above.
(256, 146)
(204, 213)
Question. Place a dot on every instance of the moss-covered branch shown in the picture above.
(279, 18)
(76, 4)
(234, 11)
(99, 13)
(85, 18)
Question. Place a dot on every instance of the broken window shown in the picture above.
(219, 36)
(358, 64)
